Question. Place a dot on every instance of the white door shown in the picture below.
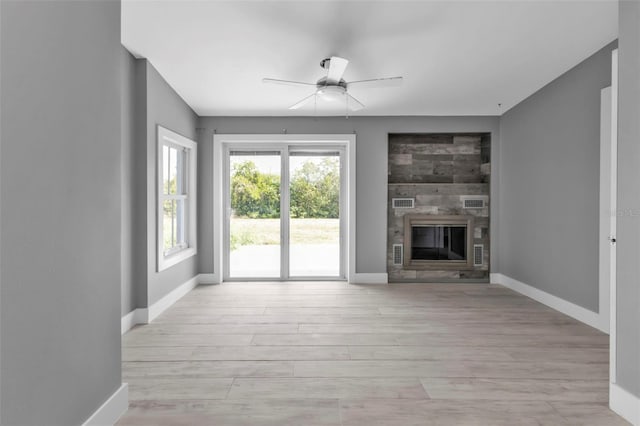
(608, 209)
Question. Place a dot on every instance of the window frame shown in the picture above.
(166, 137)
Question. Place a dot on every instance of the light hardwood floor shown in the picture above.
(340, 354)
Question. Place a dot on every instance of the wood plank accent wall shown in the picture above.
(439, 171)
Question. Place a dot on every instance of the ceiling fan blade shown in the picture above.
(304, 101)
(286, 82)
(353, 103)
(377, 82)
(337, 67)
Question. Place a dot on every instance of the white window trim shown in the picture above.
(166, 136)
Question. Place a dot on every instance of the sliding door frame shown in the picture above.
(223, 143)
(282, 151)
(342, 275)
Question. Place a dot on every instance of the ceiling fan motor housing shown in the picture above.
(323, 83)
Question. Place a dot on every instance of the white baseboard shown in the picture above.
(172, 297)
(209, 279)
(624, 404)
(146, 315)
(578, 312)
(112, 409)
(131, 319)
(365, 278)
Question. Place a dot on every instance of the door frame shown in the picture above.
(281, 150)
(221, 142)
(613, 215)
(608, 211)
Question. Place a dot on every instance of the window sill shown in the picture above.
(166, 262)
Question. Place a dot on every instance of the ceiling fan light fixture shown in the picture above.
(331, 93)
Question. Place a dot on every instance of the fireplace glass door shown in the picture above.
(439, 242)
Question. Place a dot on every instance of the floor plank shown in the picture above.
(432, 339)
(433, 353)
(238, 353)
(501, 389)
(191, 388)
(585, 414)
(254, 412)
(184, 369)
(451, 368)
(182, 329)
(185, 340)
(320, 387)
(447, 412)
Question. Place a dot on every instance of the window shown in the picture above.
(176, 198)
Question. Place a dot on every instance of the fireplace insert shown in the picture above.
(438, 242)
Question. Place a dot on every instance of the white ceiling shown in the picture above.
(457, 57)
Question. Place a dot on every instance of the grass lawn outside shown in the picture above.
(267, 231)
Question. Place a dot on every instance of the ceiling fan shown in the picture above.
(332, 88)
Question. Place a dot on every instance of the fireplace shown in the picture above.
(438, 242)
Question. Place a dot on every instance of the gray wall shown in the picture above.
(129, 256)
(628, 235)
(148, 101)
(140, 183)
(549, 182)
(60, 195)
(371, 169)
(134, 183)
(166, 108)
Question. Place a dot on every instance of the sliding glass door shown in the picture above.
(284, 213)
(314, 213)
(254, 216)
